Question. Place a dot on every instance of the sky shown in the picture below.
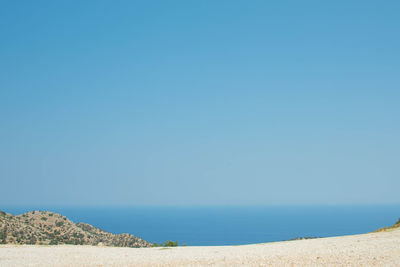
(206, 102)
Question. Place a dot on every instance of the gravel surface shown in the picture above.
(373, 249)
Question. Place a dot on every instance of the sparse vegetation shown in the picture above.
(78, 235)
(3, 237)
(396, 225)
(167, 243)
(31, 228)
(32, 241)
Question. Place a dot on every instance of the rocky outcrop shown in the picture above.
(48, 228)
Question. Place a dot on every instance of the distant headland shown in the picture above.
(48, 228)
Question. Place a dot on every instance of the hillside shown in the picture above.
(395, 226)
(48, 228)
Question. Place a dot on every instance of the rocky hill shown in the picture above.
(48, 228)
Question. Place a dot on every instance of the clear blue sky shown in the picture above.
(199, 102)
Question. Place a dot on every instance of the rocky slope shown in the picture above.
(48, 228)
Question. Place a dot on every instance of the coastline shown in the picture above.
(234, 225)
(370, 249)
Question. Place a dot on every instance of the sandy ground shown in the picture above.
(373, 249)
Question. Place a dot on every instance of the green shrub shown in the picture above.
(59, 224)
(170, 243)
(167, 243)
(77, 235)
(3, 235)
(32, 241)
(43, 219)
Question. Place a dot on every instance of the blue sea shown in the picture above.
(206, 226)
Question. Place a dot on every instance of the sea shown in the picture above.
(229, 225)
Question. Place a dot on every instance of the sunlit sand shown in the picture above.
(372, 249)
